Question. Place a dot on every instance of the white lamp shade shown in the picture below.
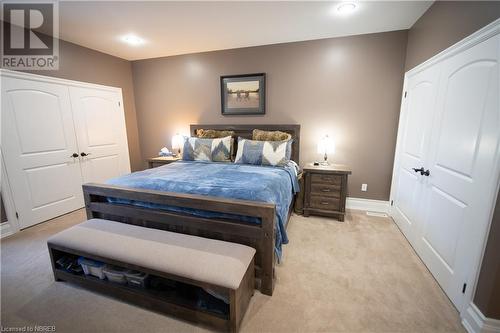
(177, 141)
(326, 145)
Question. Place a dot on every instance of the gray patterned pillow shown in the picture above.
(215, 150)
(274, 153)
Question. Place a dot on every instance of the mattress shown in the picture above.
(275, 185)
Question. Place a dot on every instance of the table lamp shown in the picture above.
(326, 146)
(177, 143)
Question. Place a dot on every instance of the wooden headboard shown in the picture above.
(245, 131)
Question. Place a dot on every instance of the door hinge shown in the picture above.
(464, 287)
(17, 215)
(119, 104)
(406, 93)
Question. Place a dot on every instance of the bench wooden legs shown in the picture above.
(240, 298)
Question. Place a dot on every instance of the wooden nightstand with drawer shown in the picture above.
(325, 190)
(161, 160)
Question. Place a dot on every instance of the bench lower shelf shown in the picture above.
(156, 301)
(176, 301)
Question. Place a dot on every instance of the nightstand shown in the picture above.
(325, 190)
(161, 160)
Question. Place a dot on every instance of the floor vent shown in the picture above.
(376, 214)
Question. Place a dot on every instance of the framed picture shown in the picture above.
(243, 94)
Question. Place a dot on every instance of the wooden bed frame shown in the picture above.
(261, 237)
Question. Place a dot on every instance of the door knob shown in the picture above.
(83, 154)
(74, 155)
(422, 171)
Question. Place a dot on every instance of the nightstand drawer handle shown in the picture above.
(325, 202)
(327, 178)
(325, 189)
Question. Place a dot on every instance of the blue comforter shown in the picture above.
(228, 180)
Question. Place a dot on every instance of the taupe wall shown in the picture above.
(444, 24)
(83, 64)
(349, 87)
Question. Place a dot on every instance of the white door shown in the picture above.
(462, 160)
(101, 133)
(38, 139)
(416, 117)
(450, 125)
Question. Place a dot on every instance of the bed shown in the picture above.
(237, 203)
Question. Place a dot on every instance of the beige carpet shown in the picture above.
(356, 276)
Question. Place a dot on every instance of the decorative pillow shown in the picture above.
(274, 153)
(215, 150)
(212, 134)
(260, 135)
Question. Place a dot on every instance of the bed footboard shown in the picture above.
(259, 236)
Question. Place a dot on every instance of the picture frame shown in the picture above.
(243, 94)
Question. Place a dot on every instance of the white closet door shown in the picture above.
(462, 159)
(101, 133)
(416, 123)
(38, 141)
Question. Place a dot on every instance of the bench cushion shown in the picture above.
(200, 259)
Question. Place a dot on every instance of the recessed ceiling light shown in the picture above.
(133, 40)
(346, 8)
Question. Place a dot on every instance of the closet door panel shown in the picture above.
(418, 106)
(462, 158)
(32, 124)
(46, 187)
(462, 111)
(101, 133)
(38, 141)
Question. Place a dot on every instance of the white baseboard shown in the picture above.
(475, 322)
(379, 206)
(5, 230)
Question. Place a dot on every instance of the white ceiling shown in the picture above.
(172, 28)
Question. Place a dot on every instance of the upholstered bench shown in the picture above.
(205, 264)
